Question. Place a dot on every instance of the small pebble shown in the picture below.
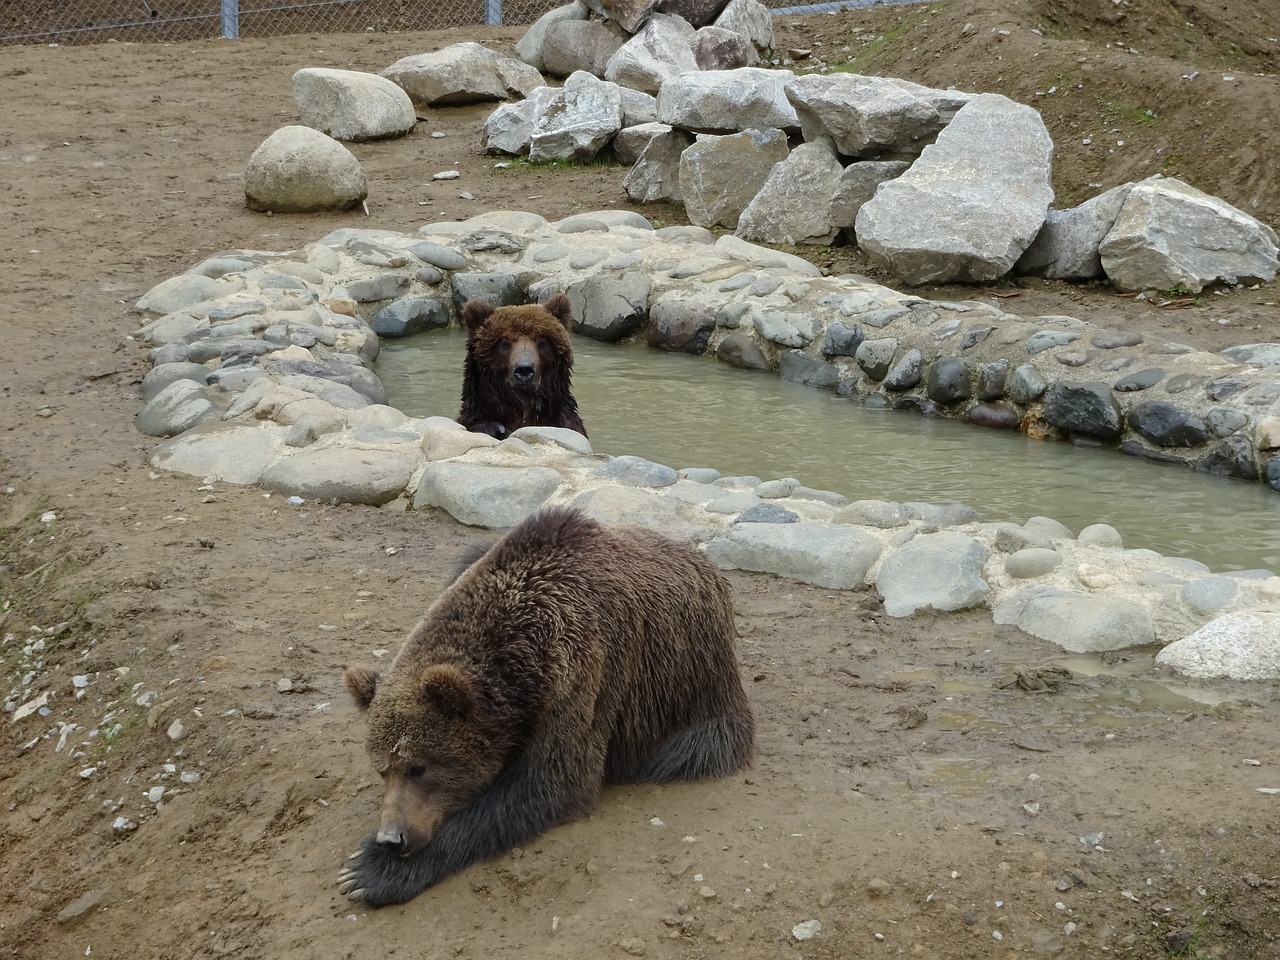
(123, 825)
(176, 731)
(155, 794)
(446, 175)
(806, 930)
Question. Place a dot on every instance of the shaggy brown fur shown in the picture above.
(518, 368)
(567, 657)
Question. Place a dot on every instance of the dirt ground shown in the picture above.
(910, 793)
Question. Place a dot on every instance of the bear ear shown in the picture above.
(558, 306)
(449, 689)
(361, 682)
(475, 313)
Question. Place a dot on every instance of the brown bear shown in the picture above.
(567, 657)
(518, 368)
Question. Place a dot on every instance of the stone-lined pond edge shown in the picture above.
(263, 376)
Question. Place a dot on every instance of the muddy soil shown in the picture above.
(931, 787)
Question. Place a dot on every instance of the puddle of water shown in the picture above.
(939, 683)
(694, 411)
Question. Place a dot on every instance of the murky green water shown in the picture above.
(694, 411)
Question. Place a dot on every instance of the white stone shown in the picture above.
(463, 73)
(352, 105)
(1236, 646)
(1170, 235)
(300, 170)
(972, 202)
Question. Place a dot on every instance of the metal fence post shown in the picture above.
(231, 19)
(493, 13)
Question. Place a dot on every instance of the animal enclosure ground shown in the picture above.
(926, 787)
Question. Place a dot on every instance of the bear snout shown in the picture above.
(524, 374)
(394, 839)
(524, 365)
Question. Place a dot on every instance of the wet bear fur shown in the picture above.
(518, 368)
(567, 657)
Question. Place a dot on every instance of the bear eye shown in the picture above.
(504, 344)
(416, 773)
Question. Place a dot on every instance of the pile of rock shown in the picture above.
(938, 185)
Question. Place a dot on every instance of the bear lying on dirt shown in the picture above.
(567, 657)
(518, 368)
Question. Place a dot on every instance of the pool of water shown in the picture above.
(690, 411)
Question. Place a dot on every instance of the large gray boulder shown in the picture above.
(750, 19)
(509, 127)
(659, 51)
(794, 204)
(628, 14)
(1075, 622)
(863, 115)
(696, 12)
(575, 45)
(610, 307)
(300, 170)
(719, 176)
(725, 101)
(655, 175)
(1169, 234)
(1067, 245)
(716, 48)
(630, 142)
(343, 474)
(938, 571)
(1240, 646)
(578, 120)
(971, 204)
(858, 184)
(529, 47)
(462, 73)
(351, 105)
(638, 107)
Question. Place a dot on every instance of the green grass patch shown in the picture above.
(1119, 113)
(601, 160)
(873, 48)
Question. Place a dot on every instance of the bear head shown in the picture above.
(433, 742)
(525, 347)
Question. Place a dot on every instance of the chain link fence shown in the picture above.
(140, 21)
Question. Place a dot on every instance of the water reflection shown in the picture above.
(694, 411)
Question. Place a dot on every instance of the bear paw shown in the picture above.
(492, 427)
(378, 877)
